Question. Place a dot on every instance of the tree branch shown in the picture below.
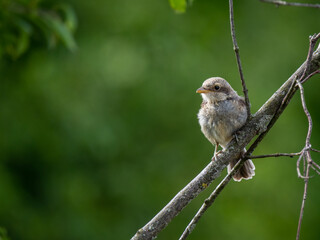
(209, 201)
(257, 125)
(283, 3)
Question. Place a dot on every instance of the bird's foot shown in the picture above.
(215, 155)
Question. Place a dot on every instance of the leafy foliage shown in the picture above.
(24, 22)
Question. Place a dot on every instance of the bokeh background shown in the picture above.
(95, 142)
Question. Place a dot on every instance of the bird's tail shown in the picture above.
(245, 172)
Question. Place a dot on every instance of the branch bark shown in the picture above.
(210, 200)
(257, 125)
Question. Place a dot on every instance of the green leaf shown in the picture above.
(22, 21)
(15, 45)
(22, 44)
(60, 30)
(23, 39)
(178, 5)
(48, 34)
(23, 25)
(69, 16)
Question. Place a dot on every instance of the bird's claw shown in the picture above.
(216, 154)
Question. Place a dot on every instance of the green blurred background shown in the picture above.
(95, 142)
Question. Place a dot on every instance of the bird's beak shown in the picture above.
(202, 90)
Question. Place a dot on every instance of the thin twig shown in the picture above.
(294, 4)
(307, 160)
(210, 200)
(306, 181)
(313, 40)
(237, 52)
(316, 165)
(226, 180)
(309, 76)
(315, 169)
(304, 166)
(276, 155)
(306, 111)
(315, 150)
(298, 166)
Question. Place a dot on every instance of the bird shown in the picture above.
(221, 114)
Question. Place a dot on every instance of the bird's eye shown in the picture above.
(216, 87)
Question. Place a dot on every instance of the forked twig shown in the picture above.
(313, 40)
(306, 155)
(306, 158)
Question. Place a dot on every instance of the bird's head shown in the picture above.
(216, 89)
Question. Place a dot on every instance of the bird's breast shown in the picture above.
(218, 125)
